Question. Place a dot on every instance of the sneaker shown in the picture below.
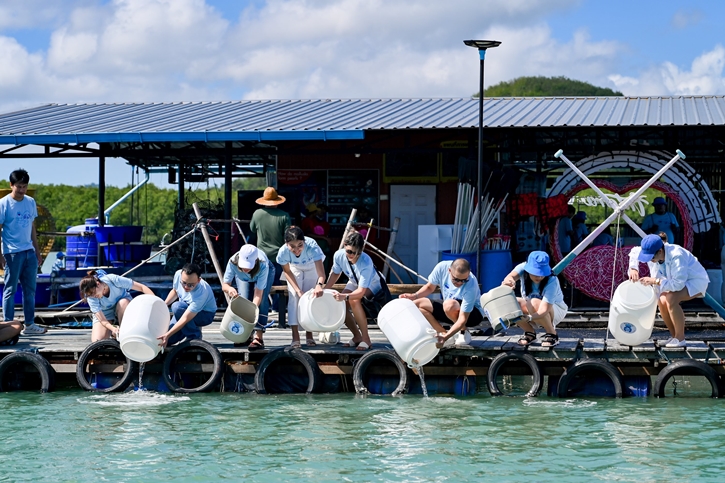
(674, 342)
(33, 329)
(663, 344)
(463, 338)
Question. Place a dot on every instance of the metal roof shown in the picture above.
(335, 119)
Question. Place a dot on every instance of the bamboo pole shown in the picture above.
(391, 244)
(353, 213)
(209, 246)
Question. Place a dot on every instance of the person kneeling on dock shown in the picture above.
(678, 276)
(195, 308)
(461, 305)
(251, 265)
(363, 282)
(108, 296)
(542, 300)
(301, 260)
(10, 331)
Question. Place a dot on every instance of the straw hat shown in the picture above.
(270, 198)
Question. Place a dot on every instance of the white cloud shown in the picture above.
(685, 18)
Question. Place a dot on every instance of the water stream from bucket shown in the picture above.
(419, 370)
(141, 367)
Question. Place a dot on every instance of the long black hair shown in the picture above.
(529, 284)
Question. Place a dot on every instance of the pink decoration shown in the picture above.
(319, 230)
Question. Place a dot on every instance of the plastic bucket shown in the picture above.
(82, 251)
(632, 313)
(145, 319)
(321, 314)
(501, 307)
(495, 265)
(408, 331)
(118, 234)
(239, 319)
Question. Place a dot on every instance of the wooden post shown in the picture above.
(353, 213)
(210, 247)
(391, 244)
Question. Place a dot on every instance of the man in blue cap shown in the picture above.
(580, 227)
(661, 220)
(676, 274)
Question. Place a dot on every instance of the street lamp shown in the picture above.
(481, 45)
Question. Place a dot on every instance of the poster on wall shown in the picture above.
(301, 187)
(348, 189)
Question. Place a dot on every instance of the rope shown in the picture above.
(614, 269)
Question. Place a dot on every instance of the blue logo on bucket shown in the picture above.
(235, 328)
(628, 328)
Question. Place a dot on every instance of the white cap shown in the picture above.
(248, 255)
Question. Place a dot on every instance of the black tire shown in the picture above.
(687, 367)
(105, 345)
(189, 345)
(45, 371)
(583, 365)
(364, 362)
(308, 362)
(500, 360)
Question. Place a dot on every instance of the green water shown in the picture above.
(75, 436)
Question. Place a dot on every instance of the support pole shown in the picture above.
(348, 227)
(181, 186)
(391, 244)
(209, 246)
(227, 199)
(101, 204)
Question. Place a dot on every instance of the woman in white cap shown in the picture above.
(542, 300)
(301, 260)
(251, 265)
(678, 276)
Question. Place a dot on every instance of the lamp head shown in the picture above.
(482, 44)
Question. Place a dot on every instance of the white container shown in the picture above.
(408, 331)
(145, 319)
(321, 314)
(632, 313)
(501, 307)
(239, 319)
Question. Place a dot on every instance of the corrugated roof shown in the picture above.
(268, 120)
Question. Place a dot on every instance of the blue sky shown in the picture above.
(91, 51)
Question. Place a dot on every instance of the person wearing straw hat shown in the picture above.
(269, 223)
(661, 220)
(541, 301)
(251, 266)
(461, 305)
(676, 274)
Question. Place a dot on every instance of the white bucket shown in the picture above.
(408, 331)
(501, 307)
(321, 314)
(632, 313)
(239, 319)
(145, 319)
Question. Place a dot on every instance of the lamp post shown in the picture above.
(482, 46)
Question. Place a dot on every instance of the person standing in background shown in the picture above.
(566, 230)
(20, 253)
(661, 221)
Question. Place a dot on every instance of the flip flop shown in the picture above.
(256, 345)
(363, 346)
(350, 343)
(310, 343)
(295, 344)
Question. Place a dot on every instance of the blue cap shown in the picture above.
(650, 245)
(538, 264)
(581, 215)
(659, 201)
(60, 255)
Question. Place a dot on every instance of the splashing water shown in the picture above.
(419, 369)
(141, 367)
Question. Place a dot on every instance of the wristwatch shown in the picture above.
(657, 281)
(347, 296)
(320, 284)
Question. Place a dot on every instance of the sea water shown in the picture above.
(71, 435)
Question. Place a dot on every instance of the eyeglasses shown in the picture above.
(459, 280)
(189, 285)
(351, 252)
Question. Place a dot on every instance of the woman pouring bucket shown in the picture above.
(254, 275)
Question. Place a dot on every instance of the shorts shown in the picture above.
(475, 318)
(559, 313)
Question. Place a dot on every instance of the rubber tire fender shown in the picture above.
(184, 346)
(47, 373)
(364, 362)
(498, 362)
(308, 362)
(582, 365)
(122, 384)
(687, 366)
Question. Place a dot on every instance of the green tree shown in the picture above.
(546, 86)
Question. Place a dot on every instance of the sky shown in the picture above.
(96, 51)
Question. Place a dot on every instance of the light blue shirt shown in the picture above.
(364, 270)
(200, 299)
(118, 288)
(233, 272)
(565, 227)
(552, 294)
(17, 217)
(311, 253)
(469, 294)
(664, 223)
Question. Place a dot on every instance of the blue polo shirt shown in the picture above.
(311, 253)
(664, 223)
(363, 269)
(469, 294)
(200, 299)
(118, 288)
(17, 217)
(233, 271)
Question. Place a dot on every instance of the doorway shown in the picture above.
(414, 205)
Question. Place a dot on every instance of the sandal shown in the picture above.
(256, 345)
(549, 340)
(310, 343)
(363, 346)
(295, 344)
(527, 338)
(350, 343)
